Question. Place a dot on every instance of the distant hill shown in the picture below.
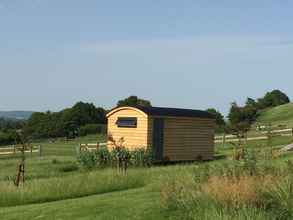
(20, 115)
(280, 115)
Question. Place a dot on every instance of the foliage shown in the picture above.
(92, 129)
(142, 157)
(10, 124)
(8, 129)
(88, 159)
(249, 113)
(265, 194)
(7, 137)
(133, 101)
(103, 157)
(273, 99)
(220, 122)
(239, 114)
(65, 123)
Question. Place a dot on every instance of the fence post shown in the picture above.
(78, 149)
(40, 150)
(224, 139)
(14, 149)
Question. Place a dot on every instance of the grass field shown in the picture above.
(280, 115)
(57, 188)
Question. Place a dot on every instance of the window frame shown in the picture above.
(121, 122)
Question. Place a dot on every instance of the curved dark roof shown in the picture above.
(174, 112)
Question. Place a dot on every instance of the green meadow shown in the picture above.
(57, 187)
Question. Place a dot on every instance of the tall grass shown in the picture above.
(231, 192)
(72, 186)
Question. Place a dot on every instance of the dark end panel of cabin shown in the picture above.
(158, 138)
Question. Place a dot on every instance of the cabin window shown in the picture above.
(126, 122)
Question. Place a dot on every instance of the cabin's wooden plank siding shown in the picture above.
(133, 137)
(188, 138)
(184, 138)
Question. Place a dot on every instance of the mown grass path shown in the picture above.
(141, 203)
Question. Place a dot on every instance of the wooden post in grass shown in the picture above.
(269, 138)
(78, 149)
(21, 166)
(224, 140)
(40, 151)
(31, 148)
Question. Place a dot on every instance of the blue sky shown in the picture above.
(189, 54)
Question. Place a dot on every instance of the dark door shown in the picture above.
(158, 138)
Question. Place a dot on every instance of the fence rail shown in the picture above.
(90, 146)
(16, 149)
(262, 136)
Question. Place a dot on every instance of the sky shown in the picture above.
(187, 54)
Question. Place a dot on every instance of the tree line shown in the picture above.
(79, 120)
(240, 118)
(85, 118)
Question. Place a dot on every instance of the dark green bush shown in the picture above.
(88, 159)
(142, 157)
(68, 168)
(92, 129)
(7, 138)
(102, 157)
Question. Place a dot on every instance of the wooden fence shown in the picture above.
(262, 136)
(16, 149)
(90, 146)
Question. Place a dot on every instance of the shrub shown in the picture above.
(103, 157)
(7, 137)
(92, 129)
(88, 159)
(142, 157)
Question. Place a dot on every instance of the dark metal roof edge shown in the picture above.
(172, 112)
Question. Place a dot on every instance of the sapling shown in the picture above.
(23, 141)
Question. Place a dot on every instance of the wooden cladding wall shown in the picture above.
(184, 138)
(133, 137)
(188, 139)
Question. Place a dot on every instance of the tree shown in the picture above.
(240, 121)
(273, 99)
(220, 122)
(85, 113)
(251, 102)
(65, 123)
(133, 101)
